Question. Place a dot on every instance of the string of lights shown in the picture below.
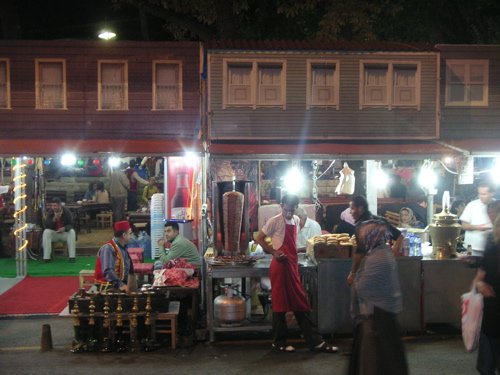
(20, 204)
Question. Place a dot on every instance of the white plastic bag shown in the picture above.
(472, 315)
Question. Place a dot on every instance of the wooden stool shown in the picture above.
(86, 278)
(104, 220)
(166, 322)
(60, 247)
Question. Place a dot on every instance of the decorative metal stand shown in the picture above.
(78, 344)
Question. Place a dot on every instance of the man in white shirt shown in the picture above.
(308, 228)
(475, 219)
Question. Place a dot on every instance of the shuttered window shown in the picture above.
(50, 84)
(167, 85)
(467, 83)
(269, 85)
(239, 84)
(375, 85)
(254, 83)
(113, 85)
(322, 84)
(390, 84)
(4, 84)
(405, 85)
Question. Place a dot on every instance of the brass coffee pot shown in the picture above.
(445, 232)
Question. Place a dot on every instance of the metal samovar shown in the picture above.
(445, 232)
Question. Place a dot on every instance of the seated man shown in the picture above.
(180, 247)
(58, 227)
(113, 267)
(308, 228)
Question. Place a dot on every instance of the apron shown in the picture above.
(287, 291)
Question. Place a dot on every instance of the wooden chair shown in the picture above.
(104, 220)
(166, 322)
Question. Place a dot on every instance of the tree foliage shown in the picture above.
(434, 21)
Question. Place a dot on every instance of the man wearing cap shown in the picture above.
(113, 264)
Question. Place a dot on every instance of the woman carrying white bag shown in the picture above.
(487, 282)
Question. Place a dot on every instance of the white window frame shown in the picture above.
(311, 64)
(178, 63)
(7, 83)
(391, 65)
(255, 99)
(38, 83)
(467, 83)
(100, 63)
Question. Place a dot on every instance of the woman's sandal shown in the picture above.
(324, 347)
(286, 349)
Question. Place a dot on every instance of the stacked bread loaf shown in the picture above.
(336, 245)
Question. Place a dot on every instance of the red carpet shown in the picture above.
(38, 295)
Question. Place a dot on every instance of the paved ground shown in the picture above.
(20, 354)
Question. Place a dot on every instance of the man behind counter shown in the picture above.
(180, 247)
(308, 228)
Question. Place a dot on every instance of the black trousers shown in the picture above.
(308, 328)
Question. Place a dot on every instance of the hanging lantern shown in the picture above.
(46, 162)
(29, 161)
(96, 162)
(80, 163)
(13, 162)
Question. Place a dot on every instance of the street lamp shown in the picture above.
(106, 35)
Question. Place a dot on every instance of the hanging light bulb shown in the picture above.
(96, 162)
(427, 177)
(68, 160)
(46, 162)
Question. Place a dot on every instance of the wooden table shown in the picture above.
(84, 209)
(139, 217)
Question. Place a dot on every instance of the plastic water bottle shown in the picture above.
(418, 246)
(406, 246)
(412, 245)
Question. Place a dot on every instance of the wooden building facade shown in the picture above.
(470, 96)
(306, 91)
(97, 96)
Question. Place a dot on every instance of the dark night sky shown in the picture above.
(73, 19)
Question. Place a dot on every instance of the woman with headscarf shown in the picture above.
(376, 301)
(407, 219)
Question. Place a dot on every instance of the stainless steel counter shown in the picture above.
(444, 281)
(334, 295)
(431, 292)
(308, 273)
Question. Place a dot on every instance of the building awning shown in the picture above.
(343, 150)
(477, 147)
(43, 147)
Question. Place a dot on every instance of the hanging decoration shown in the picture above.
(20, 215)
